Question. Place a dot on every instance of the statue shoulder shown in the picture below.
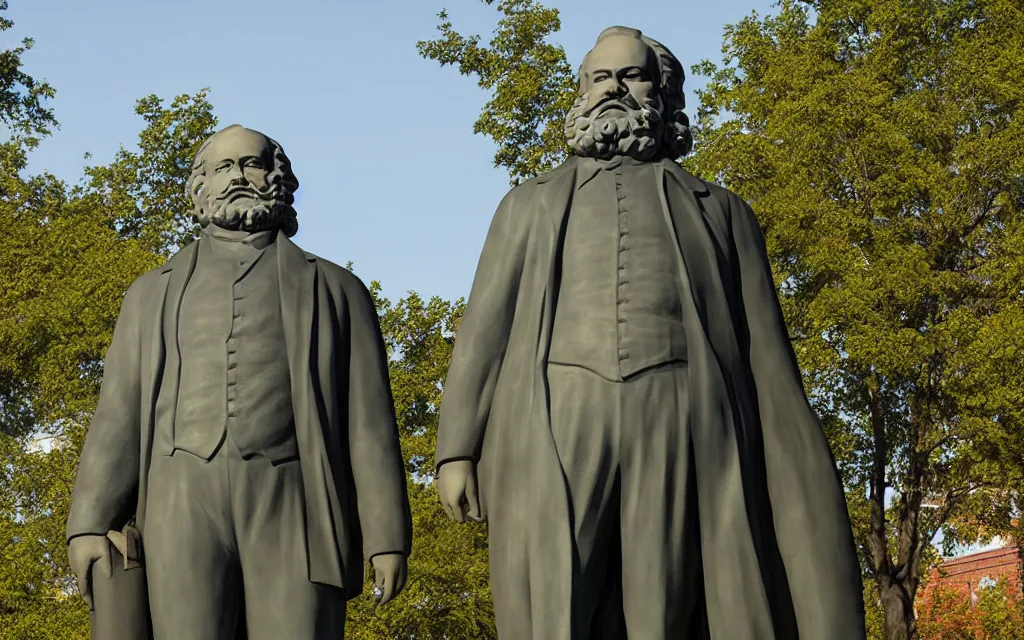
(138, 297)
(144, 282)
(522, 194)
(732, 204)
(567, 167)
(342, 279)
(723, 194)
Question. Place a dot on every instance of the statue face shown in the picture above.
(239, 188)
(237, 161)
(619, 109)
(616, 66)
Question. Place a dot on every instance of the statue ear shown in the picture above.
(200, 195)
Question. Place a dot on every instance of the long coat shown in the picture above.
(353, 474)
(778, 553)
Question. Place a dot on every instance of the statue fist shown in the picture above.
(456, 486)
(390, 571)
(86, 555)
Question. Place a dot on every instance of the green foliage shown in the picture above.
(23, 108)
(882, 145)
(37, 599)
(65, 268)
(531, 84)
(64, 271)
(874, 617)
(448, 595)
(145, 191)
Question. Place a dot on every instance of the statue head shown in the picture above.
(630, 100)
(242, 180)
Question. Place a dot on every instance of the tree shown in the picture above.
(531, 82)
(880, 143)
(448, 596)
(23, 99)
(145, 191)
(881, 146)
(66, 257)
(994, 613)
(64, 272)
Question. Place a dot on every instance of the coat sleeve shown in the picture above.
(807, 500)
(483, 335)
(108, 469)
(378, 468)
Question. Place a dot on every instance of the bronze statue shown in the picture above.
(245, 429)
(624, 407)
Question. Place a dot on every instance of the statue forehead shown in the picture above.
(616, 52)
(236, 143)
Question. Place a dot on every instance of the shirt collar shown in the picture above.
(588, 168)
(229, 242)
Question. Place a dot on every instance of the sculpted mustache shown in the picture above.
(248, 190)
(626, 103)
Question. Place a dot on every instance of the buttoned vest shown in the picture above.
(618, 309)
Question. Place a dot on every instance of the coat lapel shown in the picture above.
(182, 266)
(556, 196)
(166, 303)
(711, 210)
(297, 277)
(729, 532)
(157, 341)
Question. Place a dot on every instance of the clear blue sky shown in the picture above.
(392, 177)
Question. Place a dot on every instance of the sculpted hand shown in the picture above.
(88, 554)
(456, 486)
(390, 572)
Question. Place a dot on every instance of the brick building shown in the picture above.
(975, 571)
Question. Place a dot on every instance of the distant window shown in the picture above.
(986, 583)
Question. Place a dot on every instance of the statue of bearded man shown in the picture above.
(245, 429)
(623, 405)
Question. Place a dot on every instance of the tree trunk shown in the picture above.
(899, 612)
(897, 577)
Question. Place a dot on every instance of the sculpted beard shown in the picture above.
(604, 132)
(246, 208)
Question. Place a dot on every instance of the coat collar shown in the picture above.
(296, 273)
(684, 177)
(556, 197)
(185, 257)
